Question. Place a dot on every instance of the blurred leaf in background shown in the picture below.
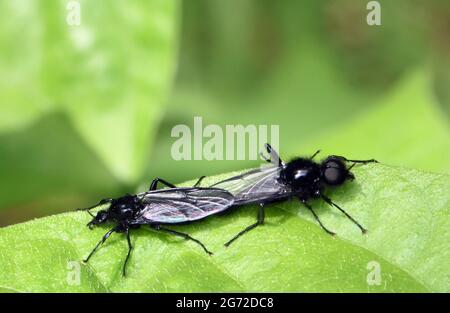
(406, 128)
(80, 104)
(311, 67)
(84, 113)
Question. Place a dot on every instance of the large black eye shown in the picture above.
(334, 172)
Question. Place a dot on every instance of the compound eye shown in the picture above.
(334, 173)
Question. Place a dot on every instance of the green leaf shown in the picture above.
(110, 74)
(405, 211)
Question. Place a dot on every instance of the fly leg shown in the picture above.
(363, 161)
(199, 181)
(184, 235)
(356, 161)
(101, 202)
(130, 247)
(315, 154)
(331, 203)
(260, 221)
(317, 218)
(105, 236)
(154, 184)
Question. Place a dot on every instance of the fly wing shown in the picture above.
(179, 205)
(261, 184)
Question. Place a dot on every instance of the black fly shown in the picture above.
(300, 178)
(156, 208)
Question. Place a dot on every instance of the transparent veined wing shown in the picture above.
(179, 205)
(261, 184)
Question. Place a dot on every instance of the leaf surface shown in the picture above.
(406, 212)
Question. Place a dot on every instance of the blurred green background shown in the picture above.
(86, 111)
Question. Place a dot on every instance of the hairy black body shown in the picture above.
(157, 208)
(301, 178)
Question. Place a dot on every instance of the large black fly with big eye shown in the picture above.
(157, 208)
(301, 178)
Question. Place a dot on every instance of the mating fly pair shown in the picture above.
(301, 178)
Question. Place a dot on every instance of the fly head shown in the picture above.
(101, 217)
(334, 171)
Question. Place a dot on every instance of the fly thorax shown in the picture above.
(125, 207)
(302, 174)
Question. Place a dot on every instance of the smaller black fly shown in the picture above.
(301, 178)
(156, 208)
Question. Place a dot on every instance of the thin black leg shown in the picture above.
(363, 161)
(317, 218)
(154, 184)
(184, 235)
(356, 161)
(101, 202)
(315, 154)
(331, 203)
(260, 221)
(130, 247)
(105, 236)
(199, 181)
